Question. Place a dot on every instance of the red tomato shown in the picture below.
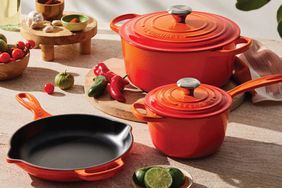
(21, 45)
(74, 20)
(4, 57)
(30, 44)
(49, 88)
(17, 53)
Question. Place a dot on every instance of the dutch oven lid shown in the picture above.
(180, 29)
(188, 99)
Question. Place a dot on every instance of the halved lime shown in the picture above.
(157, 177)
(138, 176)
(177, 177)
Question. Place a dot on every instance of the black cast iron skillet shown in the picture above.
(69, 147)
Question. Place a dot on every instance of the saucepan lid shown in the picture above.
(188, 98)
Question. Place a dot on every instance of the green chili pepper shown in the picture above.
(98, 87)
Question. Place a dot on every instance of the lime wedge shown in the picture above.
(177, 177)
(157, 177)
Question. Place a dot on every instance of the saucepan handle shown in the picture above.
(92, 176)
(31, 103)
(152, 117)
(120, 18)
(241, 40)
(252, 84)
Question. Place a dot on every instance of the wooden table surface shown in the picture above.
(251, 155)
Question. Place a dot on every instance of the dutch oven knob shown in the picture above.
(189, 83)
(179, 12)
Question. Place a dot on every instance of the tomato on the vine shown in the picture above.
(17, 53)
(21, 45)
(4, 57)
(30, 44)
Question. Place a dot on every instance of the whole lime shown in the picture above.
(64, 80)
(138, 176)
(177, 177)
(3, 46)
(3, 37)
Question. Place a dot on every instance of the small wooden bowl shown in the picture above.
(50, 11)
(13, 69)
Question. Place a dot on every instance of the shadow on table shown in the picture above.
(101, 50)
(265, 115)
(140, 155)
(197, 185)
(34, 79)
(244, 163)
(76, 89)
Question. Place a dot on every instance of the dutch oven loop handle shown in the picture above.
(145, 116)
(241, 40)
(252, 84)
(120, 18)
(92, 176)
(31, 103)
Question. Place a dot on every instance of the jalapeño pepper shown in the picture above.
(98, 87)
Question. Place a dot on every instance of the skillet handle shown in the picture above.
(148, 116)
(120, 18)
(88, 176)
(242, 40)
(31, 103)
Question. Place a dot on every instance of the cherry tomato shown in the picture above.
(30, 44)
(21, 45)
(49, 88)
(4, 57)
(17, 53)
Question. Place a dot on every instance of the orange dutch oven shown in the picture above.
(189, 119)
(162, 47)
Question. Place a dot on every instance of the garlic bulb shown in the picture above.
(48, 29)
(34, 16)
(37, 25)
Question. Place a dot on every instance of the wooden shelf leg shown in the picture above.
(47, 52)
(85, 47)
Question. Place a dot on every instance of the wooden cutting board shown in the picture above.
(123, 110)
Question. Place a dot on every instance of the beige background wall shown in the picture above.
(259, 23)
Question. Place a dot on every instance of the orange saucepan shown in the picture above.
(69, 147)
(189, 119)
(162, 47)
